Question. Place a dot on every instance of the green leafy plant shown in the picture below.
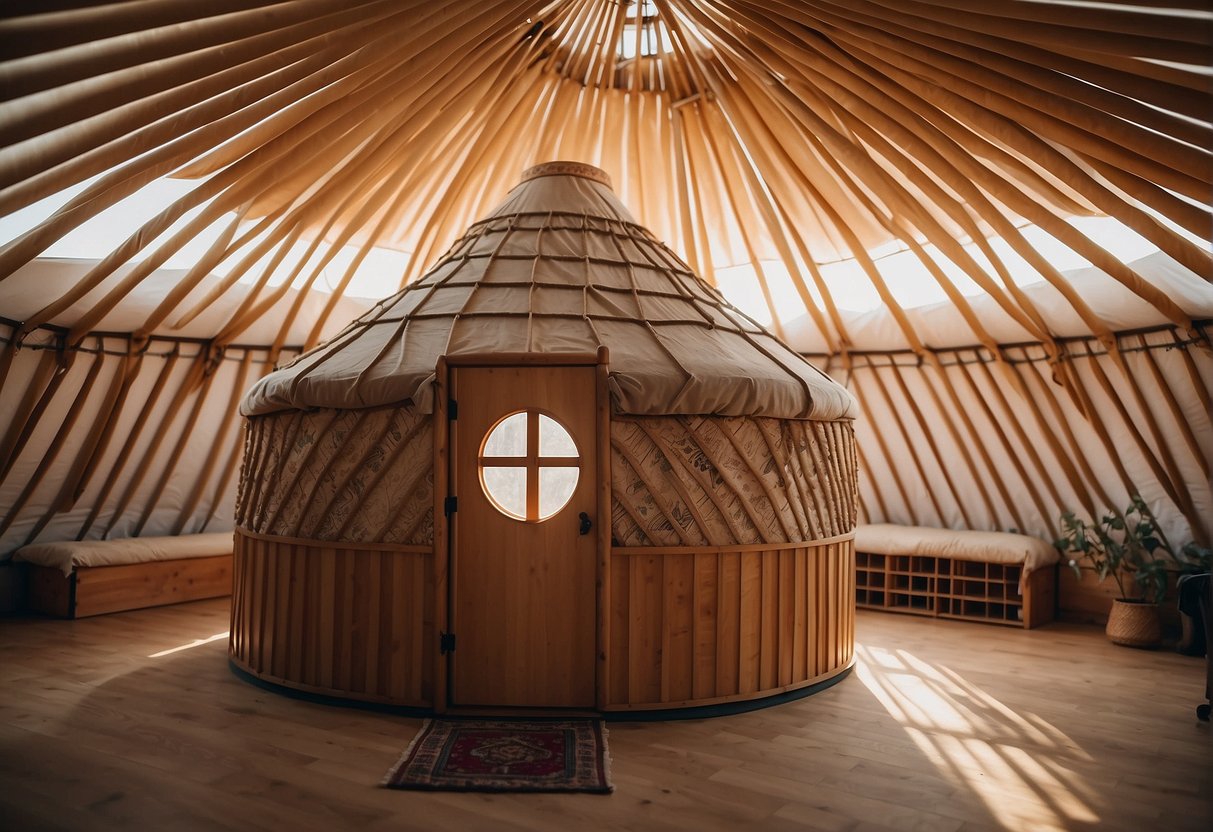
(1195, 558)
(1126, 546)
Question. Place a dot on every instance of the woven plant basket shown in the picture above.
(1134, 623)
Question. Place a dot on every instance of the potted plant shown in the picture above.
(1125, 546)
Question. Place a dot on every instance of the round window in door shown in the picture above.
(529, 466)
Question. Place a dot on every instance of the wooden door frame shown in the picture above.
(444, 533)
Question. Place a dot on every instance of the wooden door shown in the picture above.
(523, 561)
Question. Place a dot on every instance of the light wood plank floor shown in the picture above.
(943, 726)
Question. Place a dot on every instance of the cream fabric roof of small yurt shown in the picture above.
(193, 193)
(562, 267)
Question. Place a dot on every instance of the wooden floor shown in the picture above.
(133, 721)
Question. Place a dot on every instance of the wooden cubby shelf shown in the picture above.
(960, 589)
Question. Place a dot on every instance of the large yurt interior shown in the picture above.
(606, 414)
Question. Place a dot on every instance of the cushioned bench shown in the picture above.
(78, 578)
(996, 577)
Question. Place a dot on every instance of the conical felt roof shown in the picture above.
(561, 266)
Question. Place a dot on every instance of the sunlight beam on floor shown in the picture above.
(198, 642)
(1018, 765)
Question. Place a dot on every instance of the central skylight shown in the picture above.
(647, 37)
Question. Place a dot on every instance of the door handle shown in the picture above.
(586, 523)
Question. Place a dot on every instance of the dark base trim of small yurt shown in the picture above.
(291, 692)
(741, 706)
(660, 715)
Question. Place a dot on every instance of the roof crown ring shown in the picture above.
(567, 169)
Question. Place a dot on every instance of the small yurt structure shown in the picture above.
(558, 471)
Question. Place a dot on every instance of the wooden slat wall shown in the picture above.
(718, 626)
(355, 623)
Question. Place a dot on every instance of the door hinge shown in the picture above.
(446, 643)
(452, 409)
(450, 505)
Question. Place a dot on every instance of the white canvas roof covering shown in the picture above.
(562, 267)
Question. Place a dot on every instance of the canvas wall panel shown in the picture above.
(340, 475)
(103, 442)
(717, 481)
(967, 441)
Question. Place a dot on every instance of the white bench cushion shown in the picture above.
(68, 554)
(956, 544)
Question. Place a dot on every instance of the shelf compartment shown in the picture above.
(957, 589)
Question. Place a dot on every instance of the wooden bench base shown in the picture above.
(94, 590)
(947, 588)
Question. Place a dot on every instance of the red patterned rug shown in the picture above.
(497, 755)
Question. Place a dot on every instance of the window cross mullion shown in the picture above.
(532, 465)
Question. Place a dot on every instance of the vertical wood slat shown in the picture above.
(816, 614)
(340, 621)
(831, 603)
(677, 647)
(800, 614)
(280, 591)
(703, 623)
(394, 624)
(312, 623)
(375, 578)
(768, 670)
(343, 591)
(619, 681)
(354, 660)
(728, 624)
(235, 612)
(645, 622)
(295, 616)
(785, 617)
(425, 643)
(749, 622)
(848, 609)
(264, 635)
(714, 625)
